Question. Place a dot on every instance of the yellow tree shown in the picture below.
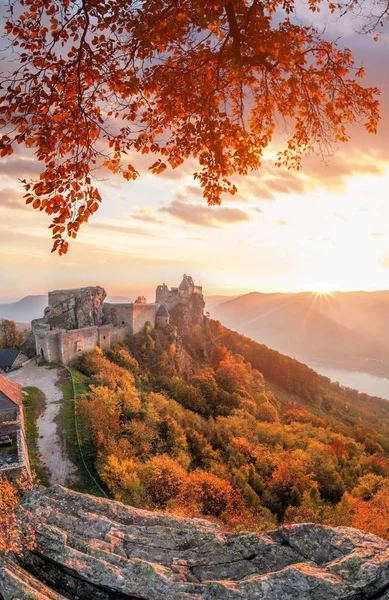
(12, 538)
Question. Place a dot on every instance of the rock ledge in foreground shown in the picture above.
(96, 549)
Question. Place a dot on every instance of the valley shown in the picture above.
(345, 330)
(363, 381)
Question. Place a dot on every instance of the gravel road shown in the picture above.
(51, 448)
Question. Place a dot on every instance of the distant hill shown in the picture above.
(26, 309)
(212, 301)
(32, 307)
(118, 299)
(344, 328)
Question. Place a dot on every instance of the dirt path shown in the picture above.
(52, 452)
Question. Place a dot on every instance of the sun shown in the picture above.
(322, 288)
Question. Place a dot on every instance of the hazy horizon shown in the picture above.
(323, 228)
(150, 290)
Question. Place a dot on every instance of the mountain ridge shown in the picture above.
(338, 327)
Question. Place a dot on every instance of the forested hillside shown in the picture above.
(214, 424)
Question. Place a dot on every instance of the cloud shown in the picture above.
(204, 216)
(333, 173)
(192, 190)
(341, 217)
(106, 228)
(384, 262)
(147, 215)
(12, 199)
(20, 167)
(270, 180)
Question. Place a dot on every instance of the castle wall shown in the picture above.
(73, 344)
(161, 294)
(47, 345)
(119, 314)
(120, 334)
(142, 314)
(81, 321)
(173, 300)
(68, 346)
(104, 335)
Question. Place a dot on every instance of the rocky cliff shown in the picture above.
(90, 548)
(188, 315)
(75, 309)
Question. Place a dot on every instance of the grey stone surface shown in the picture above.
(17, 584)
(93, 548)
(75, 309)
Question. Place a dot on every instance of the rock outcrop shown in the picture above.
(93, 548)
(75, 309)
(188, 314)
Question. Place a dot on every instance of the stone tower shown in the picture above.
(162, 317)
(161, 294)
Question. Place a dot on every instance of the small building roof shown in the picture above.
(12, 390)
(162, 311)
(8, 357)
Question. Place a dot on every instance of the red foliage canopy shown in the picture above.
(99, 79)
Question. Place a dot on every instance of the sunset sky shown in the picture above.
(324, 228)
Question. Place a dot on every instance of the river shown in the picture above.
(363, 382)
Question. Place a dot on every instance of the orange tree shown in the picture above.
(12, 537)
(97, 80)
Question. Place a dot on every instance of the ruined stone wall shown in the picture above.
(47, 345)
(77, 308)
(73, 344)
(142, 314)
(66, 347)
(104, 337)
(161, 294)
(120, 334)
(119, 314)
(77, 321)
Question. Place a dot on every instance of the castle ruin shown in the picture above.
(170, 298)
(79, 320)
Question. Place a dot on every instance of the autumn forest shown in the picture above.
(233, 431)
(244, 140)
